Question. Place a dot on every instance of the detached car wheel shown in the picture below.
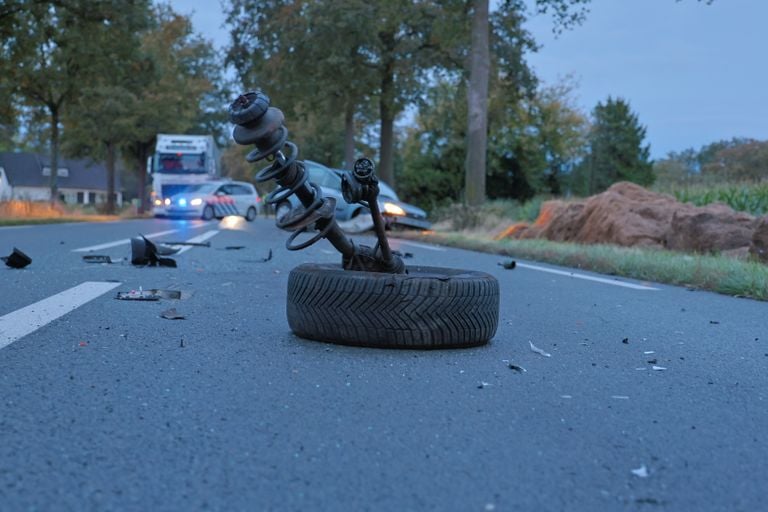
(429, 307)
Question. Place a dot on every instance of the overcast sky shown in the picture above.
(693, 73)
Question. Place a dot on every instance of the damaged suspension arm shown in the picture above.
(259, 124)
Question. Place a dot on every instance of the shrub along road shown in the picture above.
(591, 396)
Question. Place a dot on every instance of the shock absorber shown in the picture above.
(259, 124)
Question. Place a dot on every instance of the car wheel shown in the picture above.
(250, 215)
(208, 212)
(282, 210)
(428, 307)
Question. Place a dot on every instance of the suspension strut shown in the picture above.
(259, 124)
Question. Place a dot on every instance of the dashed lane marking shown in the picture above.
(128, 240)
(27, 320)
(603, 280)
(198, 239)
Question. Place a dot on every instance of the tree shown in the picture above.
(54, 49)
(477, 106)
(615, 149)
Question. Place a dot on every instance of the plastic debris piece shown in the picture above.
(172, 314)
(17, 259)
(625, 341)
(509, 264)
(99, 258)
(653, 361)
(83, 344)
(649, 352)
(641, 472)
(658, 368)
(538, 350)
(234, 247)
(516, 368)
(269, 257)
(714, 322)
(620, 397)
(483, 384)
(194, 244)
(145, 253)
(138, 295)
(566, 396)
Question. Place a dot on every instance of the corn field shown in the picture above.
(751, 198)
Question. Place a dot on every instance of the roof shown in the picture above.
(26, 170)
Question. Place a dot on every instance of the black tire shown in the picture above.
(250, 215)
(429, 307)
(208, 212)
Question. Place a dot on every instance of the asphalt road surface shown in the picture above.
(650, 398)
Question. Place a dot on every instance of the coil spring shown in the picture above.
(259, 124)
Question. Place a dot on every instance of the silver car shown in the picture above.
(394, 211)
(216, 199)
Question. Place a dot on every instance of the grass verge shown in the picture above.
(719, 274)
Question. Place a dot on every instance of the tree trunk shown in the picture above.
(54, 180)
(349, 136)
(387, 135)
(477, 103)
(142, 152)
(110, 178)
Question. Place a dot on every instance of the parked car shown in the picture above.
(215, 199)
(394, 211)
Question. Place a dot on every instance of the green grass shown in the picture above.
(23, 222)
(719, 274)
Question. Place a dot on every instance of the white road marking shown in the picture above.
(421, 246)
(27, 320)
(198, 239)
(588, 278)
(128, 240)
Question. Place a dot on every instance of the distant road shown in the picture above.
(595, 394)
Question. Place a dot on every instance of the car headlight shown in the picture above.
(158, 202)
(167, 201)
(393, 209)
(196, 201)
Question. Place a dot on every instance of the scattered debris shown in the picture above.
(194, 244)
(641, 472)
(403, 254)
(658, 368)
(483, 384)
(509, 264)
(269, 257)
(566, 396)
(137, 295)
(625, 341)
(83, 343)
(181, 343)
(145, 253)
(649, 352)
(17, 259)
(518, 369)
(99, 258)
(620, 397)
(538, 350)
(653, 361)
(234, 247)
(172, 314)
(715, 322)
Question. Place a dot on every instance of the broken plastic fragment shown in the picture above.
(17, 259)
(99, 258)
(658, 368)
(172, 314)
(509, 264)
(538, 350)
(641, 472)
(517, 368)
(234, 247)
(144, 252)
(194, 244)
(137, 295)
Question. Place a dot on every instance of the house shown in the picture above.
(26, 177)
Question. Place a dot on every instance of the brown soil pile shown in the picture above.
(629, 215)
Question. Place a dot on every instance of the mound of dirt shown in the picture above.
(629, 215)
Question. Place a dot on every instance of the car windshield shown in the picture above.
(203, 188)
(387, 191)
